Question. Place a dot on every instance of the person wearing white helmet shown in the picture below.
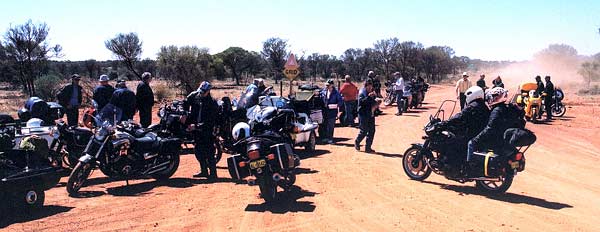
(103, 92)
(202, 121)
(461, 87)
(501, 118)
(470, 121)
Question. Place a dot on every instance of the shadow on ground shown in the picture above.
(286, 202)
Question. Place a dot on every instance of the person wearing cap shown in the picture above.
(103, 92)
(70, 98)
(481, 82)
(123, 99)
(461, 87)
(144, 98)
(367, 103)
(201, 122)
(398, 88)
(349, 93)
(332, 99)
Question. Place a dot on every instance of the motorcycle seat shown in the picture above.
(139, 133)
(147, 143)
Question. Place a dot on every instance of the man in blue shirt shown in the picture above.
(367, 104)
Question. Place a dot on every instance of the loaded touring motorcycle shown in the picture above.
(493, 172)
(126, 152)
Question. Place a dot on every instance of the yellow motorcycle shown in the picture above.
(530, 101)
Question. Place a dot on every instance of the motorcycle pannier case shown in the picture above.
(284, 155)
(170, 145)
(237, 172)
(487, 164)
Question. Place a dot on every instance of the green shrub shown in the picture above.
(47, 86)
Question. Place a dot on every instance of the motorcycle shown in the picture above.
(267, 155)
(69, 142)
(530, 101)
(121, 155)
(558, 109)
(172, 125)
(390, 97)
(493, 171)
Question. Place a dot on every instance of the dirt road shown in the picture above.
(341, 189)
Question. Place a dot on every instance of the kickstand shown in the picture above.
(126, 182)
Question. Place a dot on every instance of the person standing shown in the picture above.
(398, 89)
(540, 85)
(103, 92)
(70, 97)
(201, 121)
(332, 99)
(144, 99)
(481, 82)
(461, 87)
(367, 104)
(548, 100)
(498, 82)
(123, 99)
(349, 93)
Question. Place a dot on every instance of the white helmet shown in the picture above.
(496, 95)
(241, 130)
(474, 93)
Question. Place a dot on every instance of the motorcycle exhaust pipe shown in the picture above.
(277, 177)
(158, 168)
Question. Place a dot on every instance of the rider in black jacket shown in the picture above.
(548, 101)
(202, 121)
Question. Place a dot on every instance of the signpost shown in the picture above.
(291, 70)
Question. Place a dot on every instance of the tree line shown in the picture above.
(25, 55)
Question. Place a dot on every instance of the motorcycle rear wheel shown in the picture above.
(78, 177)
(493, 187)
(419, 172)
(268, 189)
(558, 110)
(167, 173)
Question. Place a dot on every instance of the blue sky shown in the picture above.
(491, 30)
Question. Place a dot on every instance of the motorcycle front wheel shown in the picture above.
(496, 186)
(558, 110)
(389, 100)
(78, 177)
(415, 170)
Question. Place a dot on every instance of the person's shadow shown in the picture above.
(8, 218)
(505, 197)
(286, 202)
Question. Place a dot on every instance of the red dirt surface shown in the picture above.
(341, 189)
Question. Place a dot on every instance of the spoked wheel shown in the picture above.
(415, 169)
(496, 186)
(268, 189)
(558, 110)
(78, 177)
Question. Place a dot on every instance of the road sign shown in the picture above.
(292, 69)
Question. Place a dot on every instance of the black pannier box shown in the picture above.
(284, 155)
(237, 172)
(487, 164)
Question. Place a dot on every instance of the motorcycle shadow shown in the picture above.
(286, 202)
(144, 188)
(301, 171)
(7, 219)
(312, 154)
(505, 197)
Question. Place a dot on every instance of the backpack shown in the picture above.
(519, 137)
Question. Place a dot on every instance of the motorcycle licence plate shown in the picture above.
(258, 164)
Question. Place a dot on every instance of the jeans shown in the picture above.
(330, 126)
(349, 107)
(463, 100)
(367, 129)
(72, 116)
(204, 150)
(145, 116)
(399, 102)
